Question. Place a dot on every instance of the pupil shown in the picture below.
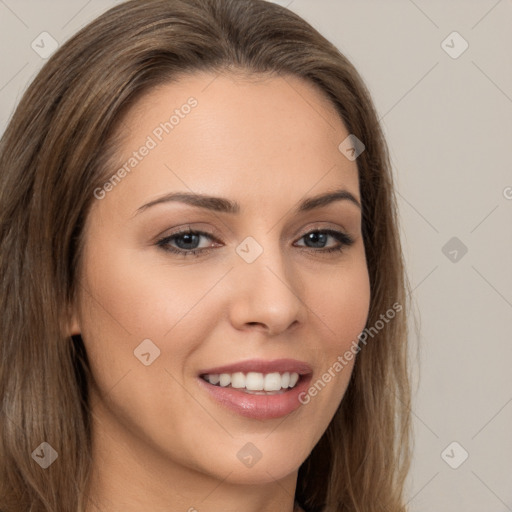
(188, 238)
(314, 237)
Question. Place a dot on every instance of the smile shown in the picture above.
(254, 382)
(257, 389)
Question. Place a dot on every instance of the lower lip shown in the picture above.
(262, 407)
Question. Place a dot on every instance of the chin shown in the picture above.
(262, 462)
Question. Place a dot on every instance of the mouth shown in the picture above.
(258, 389)
(255, 383)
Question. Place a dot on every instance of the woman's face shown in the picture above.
(261, 299)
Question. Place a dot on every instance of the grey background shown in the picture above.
(448, 123)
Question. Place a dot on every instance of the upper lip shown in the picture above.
(262, 366)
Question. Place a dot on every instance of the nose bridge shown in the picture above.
(263, 258)
(267, 289)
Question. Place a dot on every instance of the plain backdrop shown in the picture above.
(440, 73)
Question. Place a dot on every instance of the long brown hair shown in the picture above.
(58, 148)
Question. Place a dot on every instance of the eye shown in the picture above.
(188, 241)
(320, 236)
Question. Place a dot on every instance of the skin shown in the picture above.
(160, 442)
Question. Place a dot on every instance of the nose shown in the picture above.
(266, 294)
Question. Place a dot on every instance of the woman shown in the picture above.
(203, 295)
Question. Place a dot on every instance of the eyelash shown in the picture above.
(344, 239)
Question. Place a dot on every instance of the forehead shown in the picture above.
(257, 137)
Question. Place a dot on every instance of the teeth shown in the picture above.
(237, 380)
(214, 379)
(254, 381)
(225, 379)
(272, 382)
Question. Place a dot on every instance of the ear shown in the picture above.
(73, 322)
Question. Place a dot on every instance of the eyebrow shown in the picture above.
(222, 205)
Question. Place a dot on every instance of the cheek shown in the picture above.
(340, 311)
(143, 300)
(128, 301)
(342, 303)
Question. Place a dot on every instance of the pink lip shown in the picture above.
(262, 366)
(260, 407)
